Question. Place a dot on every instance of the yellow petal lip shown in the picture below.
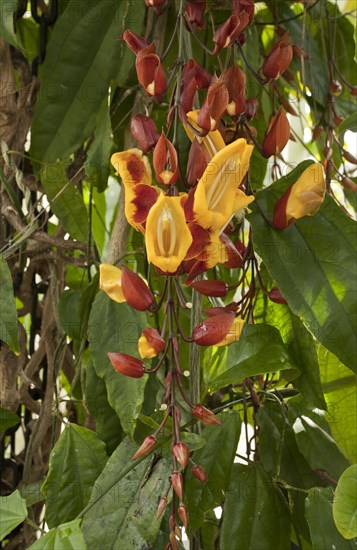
(217, 196)
(110, 282)
(213, 141)
(167, 235)
(132, 166)
(307, 193)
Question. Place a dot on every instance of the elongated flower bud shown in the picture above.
(150, 343)
(213, 106)
(276, 296)
(151, 74)
(133, 41)
(213, 330)
(144, 131)
(194, 13)
(207, 417)
(183, 515)
(165, 161)
(135, 290)
(238, 6)
(161, 507)
(199, 472)
(181, 452)
(229, 31)
(279, 58)
(177, 483)
(127, 365)
(234, 79)
(148, 443)
(277, 135)
(216, 289)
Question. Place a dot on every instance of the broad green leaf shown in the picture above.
(216, 457)
(344, 508)
(8, 419)
(278, 450)
(339, 385)
(300, 343)
(318, 506)
(32, 492)
(116, 327)
(97, 163)
(69, 308)
(7, 31)
(255, 513)
(83, 56)
(124, 516)
(8, 315)
(13, 511)
(67, 536)
(318, 447)
(108, 426)
(350, 123)
(65, 200)
(259, 350)
(76, 461)
(317, 277)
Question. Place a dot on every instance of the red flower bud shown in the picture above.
(214, 106)
(238, 6)
(199, 472)
(148, 443)
(196, 163)
(181, 452)
(207, 417)
(276, 296)
(279, 58)
(144, 131)
(234, 79)
(353, 91)
(194, 13)
(154, 3)
(183, 515)
(229, 31)
(213, 330)
(277, 135)
(173, 541)
(336, 87)
(165, 161)
(127, 365)
(161, 507)
(135, 291)
(251, 107)
(216, 289)
(133, 41)
(177, 483)
(234, 256)
(150, 73)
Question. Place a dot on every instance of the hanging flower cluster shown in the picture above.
(190, 221)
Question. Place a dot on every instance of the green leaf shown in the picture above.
(217, 458)
(67, 536)
(108, 426)
(125, 514)
(316, 276)
(8, 419)
(255, 513)
(339, 385)
(300, 343)
(259, 350)
(116, 327)
(318, 507)
(97, 163)
(8, 315)
(69, 309)
(350, 123)
(65, 200)
(7, 31)
(76, 461)
(344, 508)
(278, 450)
(13, 511)
(318, 447)
(83, 56)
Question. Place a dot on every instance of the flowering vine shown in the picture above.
(190, 221)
